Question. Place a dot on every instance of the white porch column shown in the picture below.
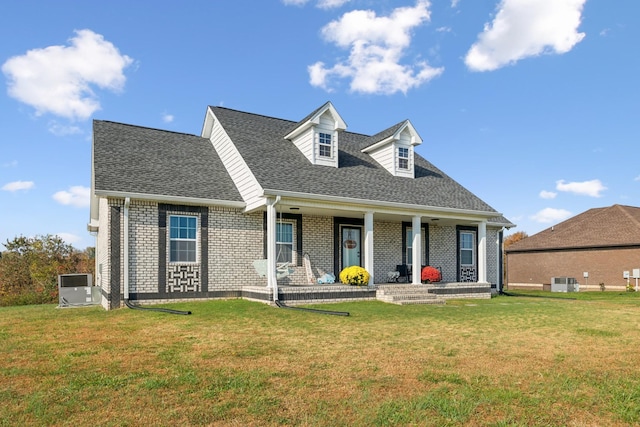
(416, 247)
(482, 252)
(368, 245)
(271, 248)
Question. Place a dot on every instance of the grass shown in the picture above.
(525, 360)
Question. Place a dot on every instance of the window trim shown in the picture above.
(182, 239)
(471, 249)
(280, 223)
(403, 159)
(322, 144)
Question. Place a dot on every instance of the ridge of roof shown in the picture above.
(146, 127)
(382, 135)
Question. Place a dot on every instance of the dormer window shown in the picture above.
(403, 158)
(393, 148)
(324, 145)
(316, 136)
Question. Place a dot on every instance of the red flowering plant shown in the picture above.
(430, 274)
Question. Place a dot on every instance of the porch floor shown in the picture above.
(388, 292)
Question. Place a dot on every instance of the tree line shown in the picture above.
(29, 268)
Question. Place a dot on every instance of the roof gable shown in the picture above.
(616, 225)
(314, 119)
(139, 160)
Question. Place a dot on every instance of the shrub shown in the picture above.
(430, 274)
(354, 275)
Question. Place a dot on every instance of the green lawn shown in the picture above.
(510, 361)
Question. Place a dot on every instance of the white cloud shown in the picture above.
(11, 164)
(63, 130)
(454, 3)
(77, 196)
(167, 118)
(330, 4)
(377, 45)
(18, 186)
(69, 238)
(548, 194)
(549, 215)
(524, 28)
(591, 188)
(59, 79)
(637, 178)
(321, 4)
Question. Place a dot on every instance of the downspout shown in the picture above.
(271, 247)
(127, 202)
(125, 253)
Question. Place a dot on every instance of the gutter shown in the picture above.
(172, 199)
(393, 207)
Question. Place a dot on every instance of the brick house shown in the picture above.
(180, 216)
(601, 242)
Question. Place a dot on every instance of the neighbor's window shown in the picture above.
(466, 248)
(182, 238)
(403, 158)
(324, 144)
(284, 242)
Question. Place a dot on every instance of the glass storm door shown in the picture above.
(350, 246)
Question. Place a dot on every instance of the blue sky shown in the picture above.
(532, 105)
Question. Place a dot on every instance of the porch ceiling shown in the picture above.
(293, 208)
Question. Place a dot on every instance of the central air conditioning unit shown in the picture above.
(564, 284)
(77, 290)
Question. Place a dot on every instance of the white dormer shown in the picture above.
(316, 136)
(393, 149)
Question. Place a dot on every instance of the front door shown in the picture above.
(351, 245)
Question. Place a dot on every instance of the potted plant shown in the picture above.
(430, 275)
(355, 276)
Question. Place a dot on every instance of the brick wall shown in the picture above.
(442, 251)
(534, 270)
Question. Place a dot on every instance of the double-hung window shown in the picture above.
(466, 248)
(409, 253)
(324, 144)
(284, 242)
(182, 238)
(403, 158)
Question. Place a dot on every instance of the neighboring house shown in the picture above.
(180, 216)
(594, 247)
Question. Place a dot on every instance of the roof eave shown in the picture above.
(389, 206)
(171, 199)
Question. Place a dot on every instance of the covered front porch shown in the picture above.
(313, 238)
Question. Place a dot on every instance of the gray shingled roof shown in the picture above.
(616, 225)
(135, 159)
(278, 165)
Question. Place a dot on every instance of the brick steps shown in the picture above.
(407, 294)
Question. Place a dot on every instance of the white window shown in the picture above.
(466, 248)
(409, 251)
(324, 144)
(403, 158)
(284, 242)
(182, 238)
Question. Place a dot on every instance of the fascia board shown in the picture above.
(171, 199)
(379, 144)
(349, 203)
